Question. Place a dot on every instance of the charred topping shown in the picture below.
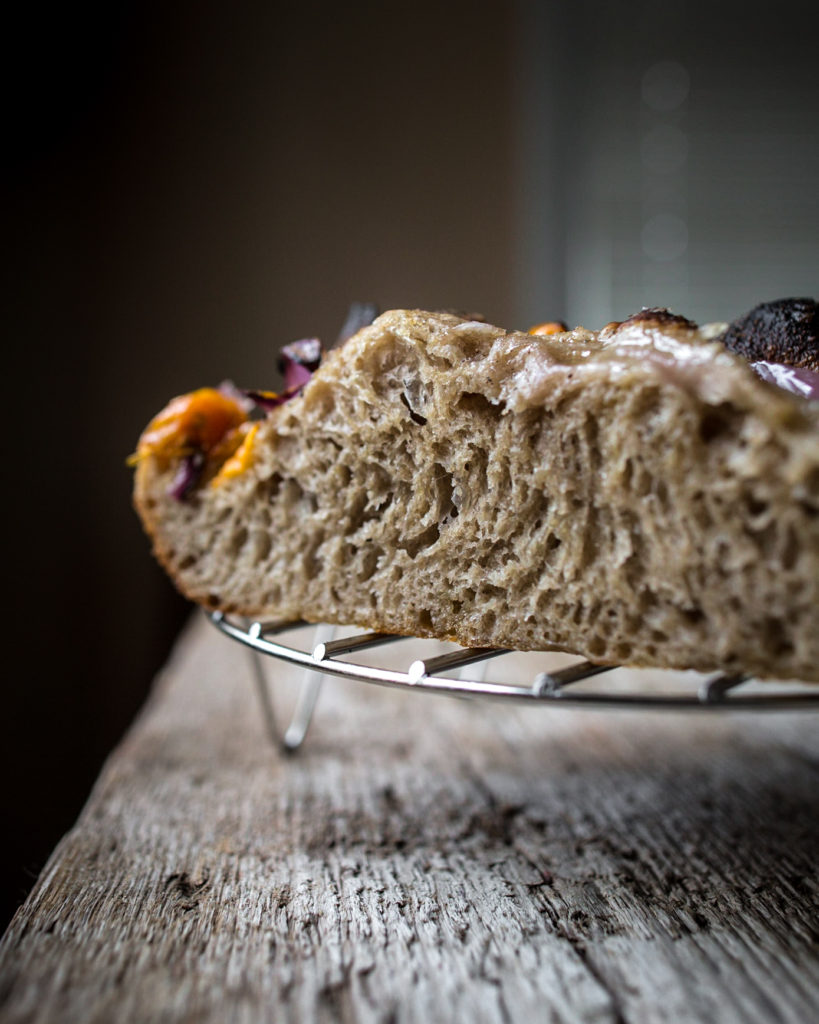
(659, 315)
(785, 331)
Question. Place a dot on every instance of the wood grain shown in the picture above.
(427, 859)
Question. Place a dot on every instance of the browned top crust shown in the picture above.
(785, 331)
(661, 316)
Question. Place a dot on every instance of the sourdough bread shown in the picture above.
(635, 495)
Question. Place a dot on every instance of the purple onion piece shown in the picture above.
(295, 375)
(306, 351)
(299, 361)
(187, 475)
(790, 378)
(267, 400)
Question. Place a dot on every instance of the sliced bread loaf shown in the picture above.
(635, 495)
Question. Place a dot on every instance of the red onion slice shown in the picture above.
(187, 476)
(797, 380)
(299, 361)
(268, 400)
(295, 376)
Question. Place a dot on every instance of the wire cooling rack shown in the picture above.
(320, 652)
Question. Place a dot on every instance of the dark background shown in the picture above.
(190, 186)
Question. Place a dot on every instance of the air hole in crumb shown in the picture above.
(312, 564)
(488, 620)
(424, 619)
(293, 491)
(774, 635)
(444, 486)
(269, 489)
(589, 548)
(790, 552)
(472, 349)
(716, 423)
(768, 537)
(476, 404)
(261, 545)
(647, 403)
(426, 539)
(357, 512)
(414, 416)
(368, 562)
(755, 506)
(187, 562)
(642, 485)
(238, 541)
(694, 616)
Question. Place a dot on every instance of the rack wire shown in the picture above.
(325, 654)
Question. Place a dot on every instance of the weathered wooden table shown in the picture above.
(428, 859)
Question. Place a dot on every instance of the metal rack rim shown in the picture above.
(558, 688)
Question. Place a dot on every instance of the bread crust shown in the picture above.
(635, 495)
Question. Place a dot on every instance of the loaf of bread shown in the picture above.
(635, 495)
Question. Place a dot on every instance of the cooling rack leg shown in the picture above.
(295, 733)
(265, 703)
(303, 715)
